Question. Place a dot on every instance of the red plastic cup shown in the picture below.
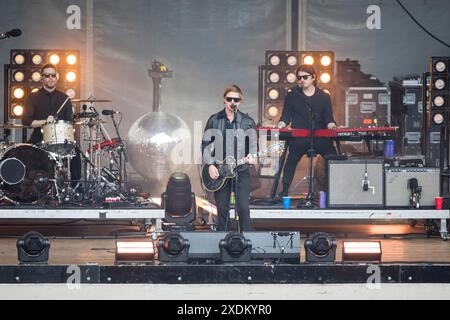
(439, 201)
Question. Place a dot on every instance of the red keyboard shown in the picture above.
(326, 133)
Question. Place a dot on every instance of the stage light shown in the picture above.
(361, 251)
(71, 93)
(274, 77)
(320, 247)
(327, 91)
(274, 94)
(173, 248)
(178, 201)
(290, 77)
(33, 248)
(439, 84)
(17, 110)
(440, 66)
(235, 248)
(35, 89)
(71, 76)
(291, 60)
(438, 118)
(308, 60)
(274, 60)
(18, 93)
(325, 61)
(272, 111)
(71, 59)
(325, 77)
(18, 76)
(134, 252)
(54, 59)
(19, 58)
(36, 76)
(36, 59)
(438, 101)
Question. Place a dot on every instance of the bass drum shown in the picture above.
(25, 172)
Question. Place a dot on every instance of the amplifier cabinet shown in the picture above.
(356, 183)
(398, 190)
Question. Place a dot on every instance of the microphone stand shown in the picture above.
(123, 166)
(309, 200)
(236, 179)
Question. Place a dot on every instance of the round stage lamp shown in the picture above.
(290, 77)
(54, 59)
(36, 59)
(440, 66)
(325, 61)
(17, 110)
(71, 59)
(438, 118)
(235, 248)
(274, 77)
(439, 84)
(33, 248)
(274, 94)
(308, 60)
(325, 77)
(18, 93)
(173, 248)
(272, 111)
(19, 58)
(291, 60)
(71, 76)
(274, 60)
(35, 89)
(36, 76)
(19, 76)
(71, 93)
(438, 101)
(320, 247)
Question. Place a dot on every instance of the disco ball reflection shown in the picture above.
(152, 140)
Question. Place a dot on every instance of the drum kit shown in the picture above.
(43, 174)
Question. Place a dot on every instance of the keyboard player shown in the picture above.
(308, 107)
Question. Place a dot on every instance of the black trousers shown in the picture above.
(222, 197)
(297, 149)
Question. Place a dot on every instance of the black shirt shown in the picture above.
(297, 109)
(41, 104)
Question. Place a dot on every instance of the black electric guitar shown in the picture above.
(227, 168)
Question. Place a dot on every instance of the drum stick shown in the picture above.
(62, 105)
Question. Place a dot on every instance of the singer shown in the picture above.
(304, 102)
(227, 122)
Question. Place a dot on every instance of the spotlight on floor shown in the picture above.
(179, 203)
(173, 248)
(134, 252)
(320, 247)
(33, 248)
(361, 251)
(235, 248)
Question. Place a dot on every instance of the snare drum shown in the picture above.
(58, 137)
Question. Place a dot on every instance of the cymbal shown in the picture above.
(91, 100)
(14, 126)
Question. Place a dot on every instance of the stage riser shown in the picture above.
(221, 274)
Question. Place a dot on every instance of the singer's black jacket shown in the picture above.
(297, 112)
(220, 122)
(41, 104)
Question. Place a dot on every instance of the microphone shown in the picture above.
(109, 112)
(11, 33)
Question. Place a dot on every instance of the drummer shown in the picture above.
(42, 106)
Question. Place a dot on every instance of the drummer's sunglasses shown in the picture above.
(53, 75)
